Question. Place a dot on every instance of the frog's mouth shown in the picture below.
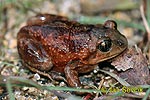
(98, 58)
(109, 59)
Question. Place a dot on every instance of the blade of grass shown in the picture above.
(13, 81)
(148, 11)
(131, 24)
(147, 94)
(27, 82)
(7, 63)
(34, 84)
(144, 86)
(19, 81)
(127, 5)
(9, 88)
(147, 27)
(70, 89)
(98, 20)
(122, 81)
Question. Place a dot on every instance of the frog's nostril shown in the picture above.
(120, 43)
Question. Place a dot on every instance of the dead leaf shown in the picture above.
(134, 66)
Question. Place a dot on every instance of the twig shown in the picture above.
(145, 22)
(100, 85)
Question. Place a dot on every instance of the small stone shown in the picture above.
(62, 84)
(37, 76)
(14, 69)
(25, 88)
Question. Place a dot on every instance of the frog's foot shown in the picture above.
(72, 74)
(41, 73)
(57, 76)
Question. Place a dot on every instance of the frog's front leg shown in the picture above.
(72, 74)
(72, 69)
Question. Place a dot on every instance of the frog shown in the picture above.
(53, 43)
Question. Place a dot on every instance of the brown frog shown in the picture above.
(53, 43)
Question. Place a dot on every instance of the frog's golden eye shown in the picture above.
(105, 45)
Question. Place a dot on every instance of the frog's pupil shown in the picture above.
(105, 45)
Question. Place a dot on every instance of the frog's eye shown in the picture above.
(105, 45)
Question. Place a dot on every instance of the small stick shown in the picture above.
(100, 85)
(145, 22)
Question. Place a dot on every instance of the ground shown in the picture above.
(129, 17)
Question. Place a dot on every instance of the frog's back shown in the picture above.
(63, 41)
